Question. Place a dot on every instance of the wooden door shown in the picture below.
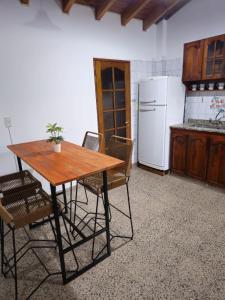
(216, 164)
(179, 152)
(214, 58)
(197, 156)
(192, 63)
(112, 80)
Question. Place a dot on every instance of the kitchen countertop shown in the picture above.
(199, 127)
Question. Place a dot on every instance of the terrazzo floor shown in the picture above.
(178, 251)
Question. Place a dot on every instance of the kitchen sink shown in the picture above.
(210, 126)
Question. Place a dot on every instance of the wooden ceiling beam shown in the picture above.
(67, 5)
(132, 10)
(155, 17)
(24, 1)
(103, 8)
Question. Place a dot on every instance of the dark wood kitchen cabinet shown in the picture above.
(179, 152)
(216, 164)
(204, 60)
(192, 63)
(197, 153)
(200, 155)
(214, 58)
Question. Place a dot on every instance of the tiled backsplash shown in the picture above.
(204, 107)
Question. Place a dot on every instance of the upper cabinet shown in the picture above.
(192, 65)
(204, 60)
(214, 57)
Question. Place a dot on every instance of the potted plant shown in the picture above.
(56, 136)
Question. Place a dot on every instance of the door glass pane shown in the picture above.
(209, 67)
(219, 48)
(218, 68)
(107, 98)
(107, 81)
(108, 135)
(108, 120)
(120, 99)
(211, 48)
(119, 79)
(121, 132)
(120, 118)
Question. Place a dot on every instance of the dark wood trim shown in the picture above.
(155, 17)
(101, 10)
(111, 60)
(24, 1)
(67, 5)
(152, 170)
(132, 10)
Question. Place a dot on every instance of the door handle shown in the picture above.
(126, 123)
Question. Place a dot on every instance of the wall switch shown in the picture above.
(7, 122)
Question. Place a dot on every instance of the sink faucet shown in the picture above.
(220, 111)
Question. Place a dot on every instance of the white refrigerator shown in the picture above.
(161, 104)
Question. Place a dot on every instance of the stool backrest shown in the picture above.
(121, 148)
(93, 141)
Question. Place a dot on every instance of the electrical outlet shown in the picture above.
(7, 122)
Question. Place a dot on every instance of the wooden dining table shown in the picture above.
(72, 163)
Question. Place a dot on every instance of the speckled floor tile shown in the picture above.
(178, 251)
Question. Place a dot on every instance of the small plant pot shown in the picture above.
(57, 147)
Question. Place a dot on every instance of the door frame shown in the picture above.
(98, 89)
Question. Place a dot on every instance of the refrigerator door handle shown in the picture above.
(143, 102)
(142, 109)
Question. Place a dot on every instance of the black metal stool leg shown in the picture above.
(128, 200)
(93, 242)
(75, 205)
(2, 247)
(15, 264)
(85, 190)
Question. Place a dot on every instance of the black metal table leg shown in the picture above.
(65, 198)
(19, 164)
(106, 206)
(58, 232)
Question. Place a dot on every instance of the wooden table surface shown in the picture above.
(73, 162)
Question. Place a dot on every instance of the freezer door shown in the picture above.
(151, 137)
(153, 91)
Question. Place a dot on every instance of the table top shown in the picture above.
(72, 163)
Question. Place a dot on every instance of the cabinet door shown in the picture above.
(192, 64)
(178, 152)
(214, 55)
(197, 156)
(216, 164)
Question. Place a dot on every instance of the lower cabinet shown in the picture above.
(199, 155)
(179, 152)
(216, 164)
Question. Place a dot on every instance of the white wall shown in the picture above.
(46, 67)
(196, 20)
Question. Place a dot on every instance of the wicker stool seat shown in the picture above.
(18, 181)
(25, 207)
(94, 183)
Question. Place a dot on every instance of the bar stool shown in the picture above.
(120, 148)
(18, 210)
